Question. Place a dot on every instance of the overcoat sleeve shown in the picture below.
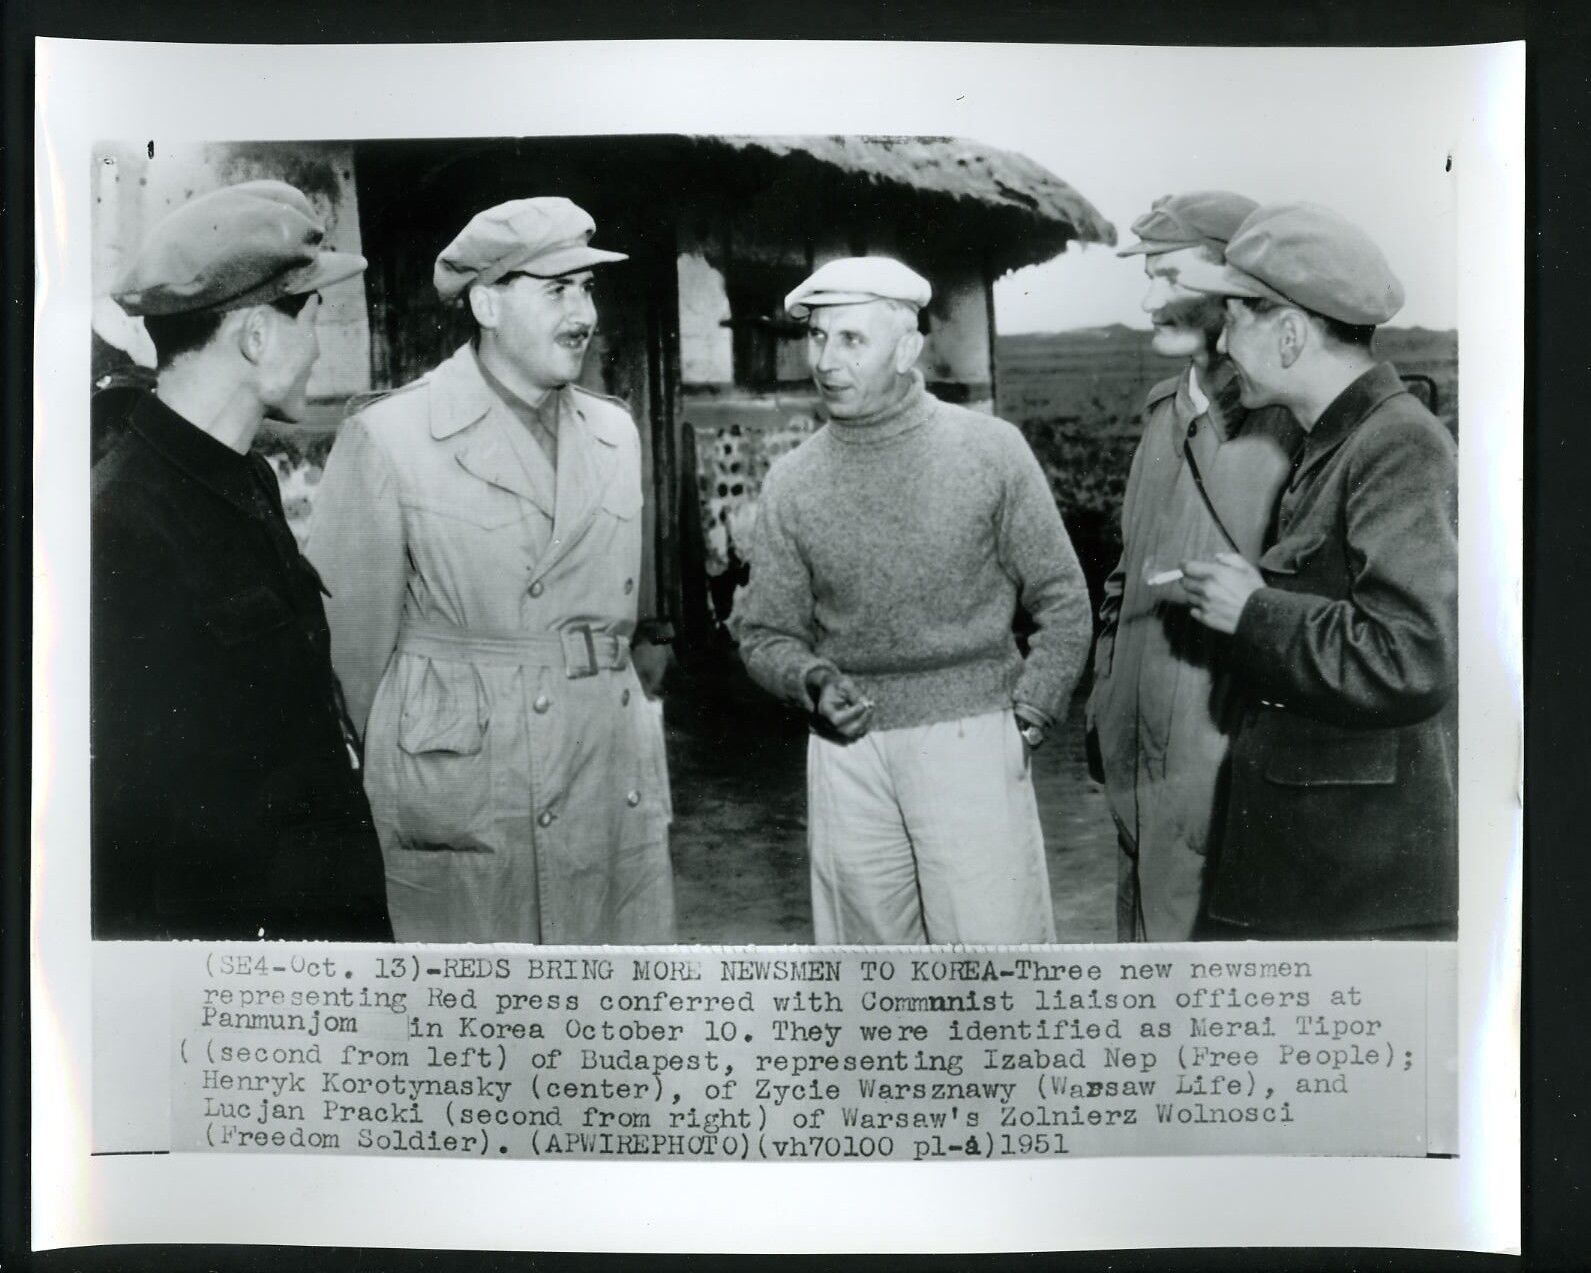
(1385, 654)
(1116, 581)
(356, 541)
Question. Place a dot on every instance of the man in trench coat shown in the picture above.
(1204, 478)
(1343, 807)
(480, 533)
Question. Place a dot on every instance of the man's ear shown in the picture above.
(1293, 335)
(483, 304)
(907, 350)
(252, 329)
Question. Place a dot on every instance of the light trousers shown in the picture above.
(927, 834)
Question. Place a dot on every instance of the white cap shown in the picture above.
(855, 280)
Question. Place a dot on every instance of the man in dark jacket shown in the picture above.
(226, 794)
(1342, 819)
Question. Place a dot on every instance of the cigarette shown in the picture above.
(1164, 577)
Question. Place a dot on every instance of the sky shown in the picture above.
(1367, 132)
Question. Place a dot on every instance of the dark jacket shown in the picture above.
(226, 799)
(1343, 802)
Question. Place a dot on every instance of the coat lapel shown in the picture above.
(470, 413)
(587, 464)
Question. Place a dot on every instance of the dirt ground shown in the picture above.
(737, 766)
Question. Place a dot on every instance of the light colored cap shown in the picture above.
(1177, 221)
(242, 245)
(545, 236)
(1305, 255)
(855, 280)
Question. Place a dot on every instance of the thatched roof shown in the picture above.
(1029, 212)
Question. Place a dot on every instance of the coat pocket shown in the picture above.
(443, 788)
(444, 710)
(1345, 760)
(1289, 556)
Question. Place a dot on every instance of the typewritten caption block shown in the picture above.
(801, 1055)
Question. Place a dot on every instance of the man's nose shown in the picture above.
(1220, 341)
(582, 306)
(1151, 301)
(820, 358)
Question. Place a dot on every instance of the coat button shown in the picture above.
(546, 818)
(1193, 428)
(624, 699)
(633, 799)
(536, 589)
(542, 703)
(629, 586)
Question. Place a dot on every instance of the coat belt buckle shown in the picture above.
(579, 651)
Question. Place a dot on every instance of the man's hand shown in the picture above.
(651, 665)
(842, 706)
(1219, 589)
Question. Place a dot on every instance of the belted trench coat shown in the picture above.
(481, 608)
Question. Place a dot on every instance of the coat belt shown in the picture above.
(578, 650)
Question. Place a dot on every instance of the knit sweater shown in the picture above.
(895, 548)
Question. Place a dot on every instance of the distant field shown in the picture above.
(1098, 376)
(1079, 395)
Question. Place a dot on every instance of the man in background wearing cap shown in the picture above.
(892, 549)
(226, 792)
(1343, 808)
(480, 531)
(1204, 479)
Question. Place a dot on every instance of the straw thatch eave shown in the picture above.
(1019, 211)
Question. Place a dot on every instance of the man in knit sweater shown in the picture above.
(891, 553)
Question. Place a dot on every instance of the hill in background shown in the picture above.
(1097, 377)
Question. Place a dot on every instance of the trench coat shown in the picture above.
(225, 794)
(1162, 706)
(1343, 807)
(481, 609)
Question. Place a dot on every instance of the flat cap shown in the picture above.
(545, 236)
(242, 245)
(855, 280)
(1306, 255)
(1177, 221)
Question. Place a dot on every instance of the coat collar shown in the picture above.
(1225, 411)
(1354, 403)
(235, 478)
(465, 407)
(1345, 413)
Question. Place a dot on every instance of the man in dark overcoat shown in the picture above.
(1342, 819)
(226, 800)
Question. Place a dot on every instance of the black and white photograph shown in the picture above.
(1003, 543)
(483, 554)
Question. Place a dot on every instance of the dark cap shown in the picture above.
(1177, 221)
(1305, 255)
(546, 236)
(242, 245)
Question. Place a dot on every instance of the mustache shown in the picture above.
(1203, 312)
